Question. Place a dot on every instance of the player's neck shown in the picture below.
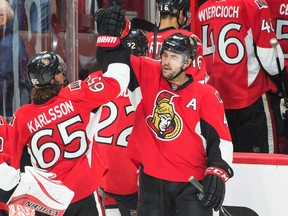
(180, 80)
(169, 22)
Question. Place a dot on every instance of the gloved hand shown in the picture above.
(214, 187)
(283, 109)
(111, 25)
(9, 177)
(110, 21)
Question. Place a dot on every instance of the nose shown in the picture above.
(166, 60)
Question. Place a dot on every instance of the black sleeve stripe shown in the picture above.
(213, 150)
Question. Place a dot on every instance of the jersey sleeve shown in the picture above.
(5, 148)
(18, 139)
(9, 176)
(145, 69)
(97, 90)
(280, 23)
(215, 130)
(262, 31)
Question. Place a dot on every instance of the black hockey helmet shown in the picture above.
(42, 68)
(173, 6)
(181, 44)
(137, 42)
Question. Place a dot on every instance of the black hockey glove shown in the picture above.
(281, 81)
(112, 25)
(214, 187)
(110, 21)
(284, 100)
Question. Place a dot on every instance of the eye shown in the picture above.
(174, 58)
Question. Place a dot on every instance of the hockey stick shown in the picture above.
(200, 188)
(154, 43)
(155, 36)
(138, 23)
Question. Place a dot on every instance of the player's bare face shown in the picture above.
(171, 64)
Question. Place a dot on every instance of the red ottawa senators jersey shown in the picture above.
(236, 46)
(279, 12)
(198, 67)
(174, 129)
(55, 131)
(5, 149)
(110, 128)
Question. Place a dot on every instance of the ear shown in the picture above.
(181, 17)
(187, 63)
(59, 78)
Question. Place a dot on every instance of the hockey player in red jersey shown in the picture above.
(279, 13)
(114, 122)
(5, 157)
(5, 153)
(54, 125)
(32, 186)
(174, 14)
(176, 133)
(241, 64)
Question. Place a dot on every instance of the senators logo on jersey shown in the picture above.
(165, 121)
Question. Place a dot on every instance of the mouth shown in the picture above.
(166, 68)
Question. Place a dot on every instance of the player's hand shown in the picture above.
(214, 187)
(283, 109)
(112, 25)
(110, 21)
(9, 177)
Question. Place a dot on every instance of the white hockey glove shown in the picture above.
(38, 190)
(9, 177)
(283, 109)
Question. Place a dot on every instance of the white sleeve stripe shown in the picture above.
(120, 72)
(226, 148)
(135, 97)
